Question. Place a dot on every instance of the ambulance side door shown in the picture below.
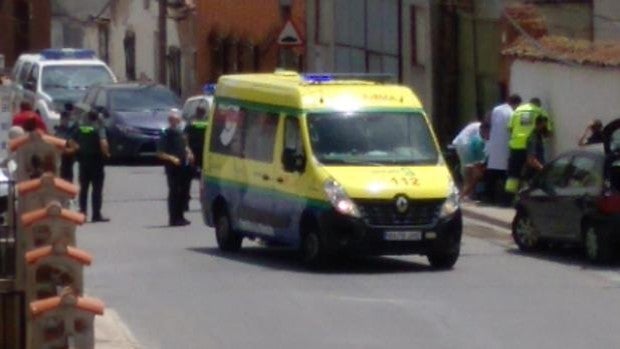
(289, 182)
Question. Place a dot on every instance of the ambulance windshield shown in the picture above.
(372, 138)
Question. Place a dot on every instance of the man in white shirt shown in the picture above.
(498, 150)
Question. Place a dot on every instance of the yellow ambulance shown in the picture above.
(328, 164)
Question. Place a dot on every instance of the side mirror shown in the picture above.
(293, 161)
(103, 111)
(30, 86)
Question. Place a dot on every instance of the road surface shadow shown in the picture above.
(145, 161)
(568, 255)
(287, 259)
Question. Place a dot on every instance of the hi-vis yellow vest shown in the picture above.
(522, 124)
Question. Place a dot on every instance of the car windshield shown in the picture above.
(57, 79)
(143, 98)
(372, 138)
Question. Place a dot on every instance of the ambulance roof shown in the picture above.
(317, 92)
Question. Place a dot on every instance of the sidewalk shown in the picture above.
(497, 216)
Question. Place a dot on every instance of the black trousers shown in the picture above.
(91, 173)
(178, 182)
(66, 167)
(495, 181)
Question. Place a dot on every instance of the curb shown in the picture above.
(112, 333)
(486, 218)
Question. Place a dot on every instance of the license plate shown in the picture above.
(415, 235)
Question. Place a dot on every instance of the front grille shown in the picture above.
(148, 147)
(384, 213)
(151, 132)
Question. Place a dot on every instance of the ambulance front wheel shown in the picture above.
(313, 250)
(227, 239)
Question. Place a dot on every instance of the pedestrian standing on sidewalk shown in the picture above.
(592, 134)
(178, 162)
(66, 130)
(522, 123)
(498, 150)
(92, 152)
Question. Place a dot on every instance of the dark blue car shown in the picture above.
(135, 115)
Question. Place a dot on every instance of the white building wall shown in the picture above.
(606, 20)
(573, 95)
(132, 15)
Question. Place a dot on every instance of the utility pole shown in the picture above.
(163, 38)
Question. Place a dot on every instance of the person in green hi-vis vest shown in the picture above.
(195, 133)
(92, 152)
(521, 125)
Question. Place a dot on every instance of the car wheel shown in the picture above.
(597, 246)
(313, 251)
(524, 233)
(443, 260)
(227, 239)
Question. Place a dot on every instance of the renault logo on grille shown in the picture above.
(402, 204)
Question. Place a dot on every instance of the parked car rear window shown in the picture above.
(143, 98)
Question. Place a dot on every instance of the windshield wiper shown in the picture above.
(353, 162)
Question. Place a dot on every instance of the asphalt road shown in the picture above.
(174, 289)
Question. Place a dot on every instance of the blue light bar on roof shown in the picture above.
(318, 78)
(68, 53)
(209, 89)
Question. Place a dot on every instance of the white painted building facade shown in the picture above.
(373, 36)
(573, 95)
(606, 20)
(132, 39)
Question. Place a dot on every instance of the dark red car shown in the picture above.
(575, 199)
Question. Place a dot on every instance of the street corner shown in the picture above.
(112, 333)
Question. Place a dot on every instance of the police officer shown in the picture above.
(521, 125)
(195, 133)
(178, 162)
(92, 151)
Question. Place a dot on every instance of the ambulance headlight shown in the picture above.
(340, 200)
(451, 205)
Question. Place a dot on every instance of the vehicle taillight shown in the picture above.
(609, 203)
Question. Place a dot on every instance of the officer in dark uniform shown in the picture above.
(195, 133)
(92, 151)
(178, 161)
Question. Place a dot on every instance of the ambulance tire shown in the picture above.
(444, 260)
(312, 250)
(227, 239)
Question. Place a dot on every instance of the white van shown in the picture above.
(55, 77)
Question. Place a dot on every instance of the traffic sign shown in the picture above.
(289, 35)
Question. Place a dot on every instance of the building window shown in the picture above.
(104, 41)
(147, 4)
(130, 55)
(174, 69)
(417, 36)
(366, 36)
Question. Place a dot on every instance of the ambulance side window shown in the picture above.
(228, 131)
(260, 135)
(292, 135)
(293, 156)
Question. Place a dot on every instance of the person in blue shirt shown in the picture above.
(476, 160)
